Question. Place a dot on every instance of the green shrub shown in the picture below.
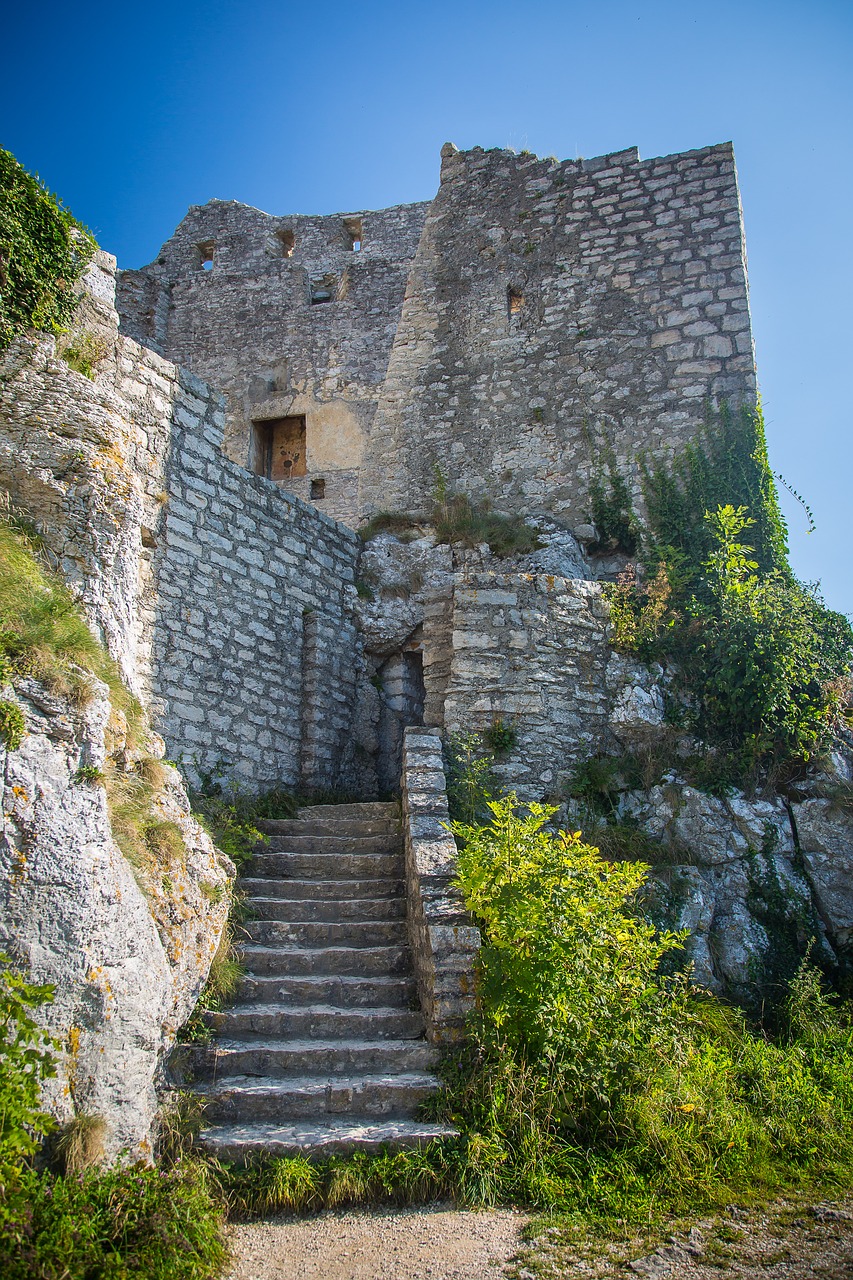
(83, 353)
(26, 1059)
(500, 737)
(124, 1224)
(13, 726)
(612, 513)
(766, 654)
(470, 781)
(396, 522)
(43, 253)
(566, 969)
(727, 466)
(595, 1083)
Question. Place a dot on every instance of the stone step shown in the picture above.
(323, 933)
(369, 810)
(328, 866)
(279, 1058)
(316, 1022)
(241, 1099)
(323, 909)
(238, 1143)
(342, 990)
(330, 827)
(343, 890)
(368, 961)
(346, 844)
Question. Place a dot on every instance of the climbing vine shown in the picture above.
(44, 251)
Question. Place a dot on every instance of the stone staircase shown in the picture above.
(324, 1050)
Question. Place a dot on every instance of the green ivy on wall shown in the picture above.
(44, 251)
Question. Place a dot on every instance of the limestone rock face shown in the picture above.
(637, 713)
(735, 876)
(825, 832)
(128, 950)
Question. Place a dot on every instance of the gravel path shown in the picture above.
(415, 1244)
(782, 1242)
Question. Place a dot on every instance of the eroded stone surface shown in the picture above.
(127, 949)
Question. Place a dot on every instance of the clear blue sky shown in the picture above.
(131, 113)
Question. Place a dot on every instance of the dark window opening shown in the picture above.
(318, 489)
(287, 241)
(205, 255)
(352, 228)
(323, 289)
(514, 301)
(279, 448)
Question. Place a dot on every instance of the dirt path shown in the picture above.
(416, 1244)
(782, 1242)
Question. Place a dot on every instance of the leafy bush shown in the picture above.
(612, 514)
(470, 781)
(13, 726)
(500, 737)
(43, 253)
(567, 968)
(26, 1059)
(595, 1083)
(758, 655)
(762, 658)
(83, 353)
(727, 466)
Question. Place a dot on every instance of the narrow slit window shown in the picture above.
(318, 490)
(353, 234)
(287, 240)
(205, 255)
(514, 301)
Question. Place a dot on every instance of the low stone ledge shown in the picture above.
(444, 942)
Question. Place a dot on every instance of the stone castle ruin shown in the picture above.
(533, 314)
(535, 318)
(267, 385)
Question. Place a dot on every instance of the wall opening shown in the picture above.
(287, 241)
(205, 255)
(323, 288)
(353, 233)
(318, 489)
(279, 448)
(514, 302)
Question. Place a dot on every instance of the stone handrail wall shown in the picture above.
(443, 940)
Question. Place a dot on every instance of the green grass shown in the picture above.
(153, 1224)
(43, 633)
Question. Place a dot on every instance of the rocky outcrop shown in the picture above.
(745, 880)
(127, 948)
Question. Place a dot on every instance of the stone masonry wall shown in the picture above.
(226, 601)
(247, 324)
(560, 315)
(443, 940)
(530, 650)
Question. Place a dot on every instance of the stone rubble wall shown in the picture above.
(631, 312)
(248, 326)
(444, 942)
(530, 650)
(199, 577)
